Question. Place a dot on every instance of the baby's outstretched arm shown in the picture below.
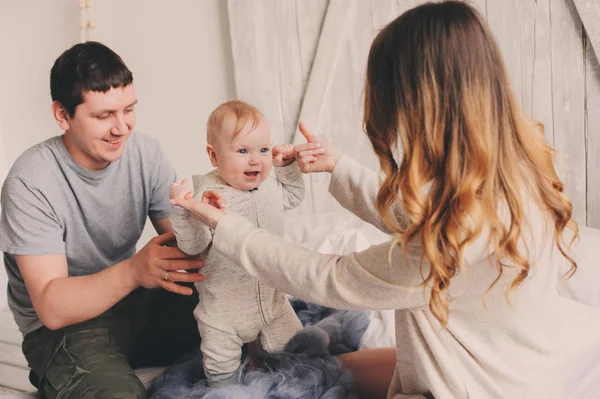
(192, 236)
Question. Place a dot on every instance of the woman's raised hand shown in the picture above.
(209, 210)
(314, 155)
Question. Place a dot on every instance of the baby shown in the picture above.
(234, 308)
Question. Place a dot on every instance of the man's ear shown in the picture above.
(212, 155)
(61, 115)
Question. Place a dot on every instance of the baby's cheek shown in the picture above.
(267, 166)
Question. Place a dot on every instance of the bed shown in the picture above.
(342, 233)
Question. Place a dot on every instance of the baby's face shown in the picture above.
(245, 161)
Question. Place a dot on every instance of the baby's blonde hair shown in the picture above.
(436, 86)
(240, 110)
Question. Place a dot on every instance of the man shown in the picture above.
(73, 208)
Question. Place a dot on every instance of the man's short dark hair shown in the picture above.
(89, 66)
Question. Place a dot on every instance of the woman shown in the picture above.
(477, 213)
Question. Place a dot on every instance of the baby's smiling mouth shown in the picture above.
(251, 174)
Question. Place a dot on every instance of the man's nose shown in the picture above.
(119, 127)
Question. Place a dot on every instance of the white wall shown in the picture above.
(179, 54)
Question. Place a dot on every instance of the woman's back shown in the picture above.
(525, 347)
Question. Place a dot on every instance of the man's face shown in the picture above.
(245, 161)
(97, 132)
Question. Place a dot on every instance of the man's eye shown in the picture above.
(127, 111)
(103, 116)
(242, 151)
(263, 150)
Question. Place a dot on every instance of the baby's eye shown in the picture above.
(242, 151)
(263, 150)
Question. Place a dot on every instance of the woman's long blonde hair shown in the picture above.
(436, 81)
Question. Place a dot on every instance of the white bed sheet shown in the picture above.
(343, 233)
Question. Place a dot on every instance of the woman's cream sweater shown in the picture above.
(525, 348)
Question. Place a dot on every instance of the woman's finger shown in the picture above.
(308, 135)
(306, 146)
(182, 202)
(306, 153)
(307, 160)
(210, 194)
(205, 213)
(214, 198)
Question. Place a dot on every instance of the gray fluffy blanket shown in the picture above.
(306, 369)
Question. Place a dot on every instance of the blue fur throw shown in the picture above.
(306, 369)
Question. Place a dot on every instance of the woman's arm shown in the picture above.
(375, 278)
(353, 185)
(363, 280)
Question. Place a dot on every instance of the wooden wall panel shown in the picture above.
(592, 135)
(273, 44)
(568, 88)
(306, 59)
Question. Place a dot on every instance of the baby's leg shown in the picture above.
(222, 354)
(277, 333)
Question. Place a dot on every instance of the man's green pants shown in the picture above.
(96, 358)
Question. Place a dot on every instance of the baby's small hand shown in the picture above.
(180, 190)
(283, 154)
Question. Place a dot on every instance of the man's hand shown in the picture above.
(180, 190)
(283, 154)
(159, 265)
(314, 156)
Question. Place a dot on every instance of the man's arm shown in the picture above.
(162, 225)
(60, 300)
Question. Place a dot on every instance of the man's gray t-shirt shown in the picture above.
(51, 205)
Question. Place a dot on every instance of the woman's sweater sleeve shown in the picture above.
(363, 280)
(355, 187)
